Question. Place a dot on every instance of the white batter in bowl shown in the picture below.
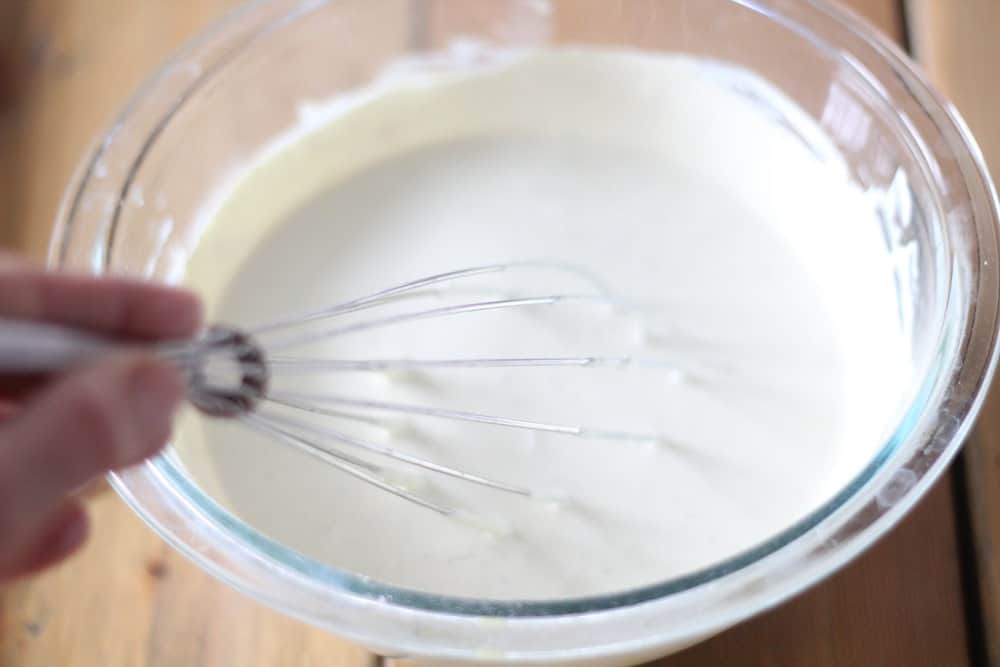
(726, 229)
(809, 244)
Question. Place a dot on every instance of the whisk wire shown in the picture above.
(317, 364)
(394, 454)
(381, 296)
(315, 404)
(378, 323)
(341, 462)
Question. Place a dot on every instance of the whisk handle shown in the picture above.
(35, 347)
(226, 371)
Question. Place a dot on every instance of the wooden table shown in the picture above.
(928, 594)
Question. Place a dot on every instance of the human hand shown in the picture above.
(58, 433)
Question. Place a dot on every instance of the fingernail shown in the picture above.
(155, 393)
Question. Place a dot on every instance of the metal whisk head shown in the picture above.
(231, 370)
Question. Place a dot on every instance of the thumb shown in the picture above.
(59, 536)
(103, 418)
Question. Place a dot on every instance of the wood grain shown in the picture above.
(76, 62)
(130, 600)
(957, 42)
(899, 604)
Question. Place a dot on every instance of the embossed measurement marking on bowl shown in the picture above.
(761, 288)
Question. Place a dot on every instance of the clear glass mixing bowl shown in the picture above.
(131, 209)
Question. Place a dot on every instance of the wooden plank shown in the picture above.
(128, 599)
(899, 604)
(957, 43)
(11, 79)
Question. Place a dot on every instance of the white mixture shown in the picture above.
(766, 320)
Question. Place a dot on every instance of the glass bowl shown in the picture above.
(133, 205)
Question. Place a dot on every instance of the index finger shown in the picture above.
(110, 306)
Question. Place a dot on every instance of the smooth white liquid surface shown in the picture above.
(777, 366)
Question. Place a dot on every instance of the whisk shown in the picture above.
(230, 372)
